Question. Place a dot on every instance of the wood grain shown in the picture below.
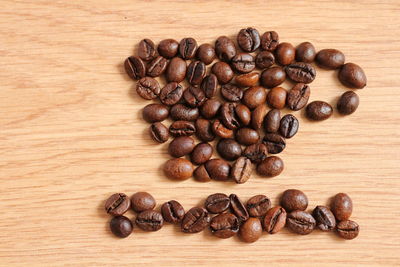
(71, 133)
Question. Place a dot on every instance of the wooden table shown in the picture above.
(71, 133)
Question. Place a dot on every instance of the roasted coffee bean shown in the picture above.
(187, 48)
(300, 222)
(342, 206)
(238, 208)
(182, 128)
(275, 143)
(157, 66)
(155, 112)
(142, 201)
(251, 230)
(298, 96)
(254, 96)
(201, 174)
(210, 108)
(229, 149)
(348, 229)
(201, 153)
(147, 49)
(353, 76)
(247, 136)
(330, 59)
(176, 70)
(204, 130)
(243, 114)
(231, 92)
(247, 79)
(180, 112)
(220, 130)
(121, 226)
(248, 39)
(225, 48)
(222, 71)
(149, 220)
(276, 97)
(274, 220)
(348, 103)
(168, 48)
(301, 72)
(217, 203)
(318, 110)
(181, 146)
(135, 67)
(194, 96)
(195, 220)
(258, 205)
(272, 77)
(243, 63)
(218, 169)
(257, 116)
(209, 85)
(171, 94)
(293, 199)
(159, 132)
(241, 170)
(117, 204)
(269, 41)
(270, 167)
(172, 211)
(148, 88)
(178, 169)
(224, 225)
(324, 217)
(264, 59)
(272, 121)
(285, 53)
(206, 53)
(256, 153)
(196, 72)
(289, 126)
(228, 116)
(305, 52)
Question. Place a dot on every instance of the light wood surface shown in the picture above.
(71, 133)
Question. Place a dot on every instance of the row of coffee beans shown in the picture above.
(227, 216)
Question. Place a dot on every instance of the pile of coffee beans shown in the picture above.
(228, 102)
(227, 216)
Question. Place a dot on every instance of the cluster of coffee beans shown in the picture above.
(228, 215)
(238, 116)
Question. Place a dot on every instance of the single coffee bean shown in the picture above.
(272, 77)
(238, 208)
(225, 48)
(172, 211)
(289, 126)
(224, 225)
(256, 153)
(201, 153)
(222, 71)
(276, 97)
(274, 220)
(275, 143)
(318, 110)
(305, 52)
(300, 222)
(117, 204)
(258, 205)
(330, 59)
(324, 217)
(229, 149)
(353, 76)
(206, 53)
(220, 130)
(181, 146)
(176, 70)
(293, 199)
(196, 72)
(247, 136)
(182, 128)
(248, 39)
(155, 112)
(204, 130)
(168, 48)
(146, 49)
(348, 103)
(159, 132)
(348, 229)
(180, 112)
(178, 169)
(243, 114)
(269, 41)
(157, 66)
(231, 93)
(298, 96)
(241, 170)
(210, 108)
(195, 220)
(217, 203)
(149, 220)
(171, 94)
(135, 67)
(254, 96)
(270, 167)
(251, 230)
(342, 206)
(257, 116)
(148, 88)
(201, 174)
(209, 85)
(228, 116)
(301, 72)
(218, 169)
(142, 201)
(187, 48)
(121, 226)
(264, 59)
(247, 79)
(194, 96)
(272, 121)
(285, 53)
(243, 63)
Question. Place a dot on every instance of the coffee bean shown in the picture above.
(180, 112)
(224, 225)
(264, 59)
(228, 116)
(182, 128)
(155, 112)
(187, 48)
(274, 142)
(231, 92)
(269, 41)
(289, 126)
(274, 220)
(258, 205)
(318, 110)
(181, 146)
(305, 52)
(217, 203)
(220, 130)
(209, 85)
(201, 174)
(272, 121)
(159, 132)
(243, 63)
(121, 226)
(142, 201)
(149, 220)
(196, 72)
(210, 108)
(298, 96)
(178, 169)
(238, 208)
(272, 77)
(195, 220)
(248, 39)
(247, 79)
(257, 116)
(201, 153)
(229, 149)
(301, 72)
(270, 167)
(254, 96)
(241, 170)
(222, 71)
(293, 199)
(171, 93)
(276, 97)
(324, 217)
(176, 70)
(330, 59)
(172, 211)
(218, 169)
(243, 114)
(348, 229)
(285, 53)
(300, 222)
(135, 67)
(247, 136)
(225, 48)
(348, 103)
(251, 230)
(353, 76)
(157, 66)
(204, 130)
(342, 206)
(147, 88)
(117, 204)
(168, 48)
(146, 49)
(256, 153)
(206, 53)
(194, 96)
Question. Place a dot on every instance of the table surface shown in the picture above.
(71, 133)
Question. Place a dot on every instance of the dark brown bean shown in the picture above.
(348, 103)
(256, 153)
(121, 226)
(201, 174)
(217, 203)
(155, 112)
(224, 225)
(293, 199)
(269, 40)
(195, 220)
(142, 201)
(272, 121)
(241, 170)
(135, 67)
(180, 112)
(148, 88)
(248, 39)
(149, 220)
(348, 229)
(172, 211)
(168, 48)
(196, 72)
(182, 128)
(247, 136)
(220, 130)
(117, 204)
(171, 94)
(146, 49)
(264, 59)
(243, 63)
(176, 70)
(274, 220)
(228, 116)
(178, 169)
(254, 96)
(324, 217)
(251, 230)
(258, 205)
(201, 153)
(272, 77)
(257, 116)
(218, 169)
(187, 48)
(330, 59)
(342, 206)
(285, 53)
(204, 130)
(159, 132)
(247, 79)
(289, 126)
(231, 93)
(318, 110)
(206, 53)
(270, 167)
(301, 72)
(229, 149)
(353, 76)
(210, 108)
(276, 97)
(300, 222)
(275, 143)
(222, 71)
(209, 85)
(298, 96)
(181, 146)
(238, 208)
(194, 96)
(225, 48)
(305, 52)
(157, 66)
